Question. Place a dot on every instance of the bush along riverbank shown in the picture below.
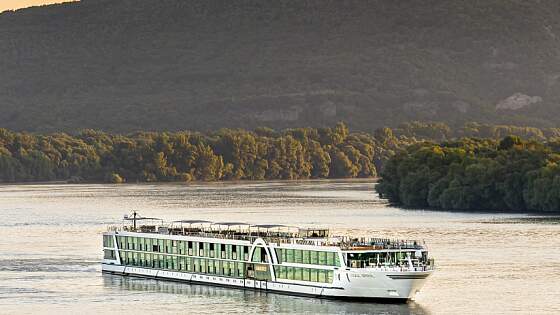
(475, 174)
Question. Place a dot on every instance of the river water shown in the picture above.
(50, 240)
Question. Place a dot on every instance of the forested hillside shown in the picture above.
(475, 174)
(128, 65)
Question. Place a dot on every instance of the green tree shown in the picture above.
(208, 166)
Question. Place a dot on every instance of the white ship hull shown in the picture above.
(363, 284)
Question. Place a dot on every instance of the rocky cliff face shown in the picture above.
(518, 101)
(126, 65)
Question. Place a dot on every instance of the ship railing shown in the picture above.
(113, 228)
(268, 239)
(402, 268)
(345, 243)
(379, 244)
(236, 236)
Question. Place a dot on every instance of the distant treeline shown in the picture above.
(183, 156)
(475, 174)
(437, 131)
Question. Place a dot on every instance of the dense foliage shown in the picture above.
(438, 131)
(475, 174)
(183, 156)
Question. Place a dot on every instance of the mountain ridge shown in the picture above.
(173, 65)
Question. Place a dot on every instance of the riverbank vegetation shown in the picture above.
(184, 156)
(475, 174)
(420, 164)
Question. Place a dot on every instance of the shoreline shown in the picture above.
(286, 181)
(238, 181)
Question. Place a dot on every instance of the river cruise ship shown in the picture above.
(298, 261)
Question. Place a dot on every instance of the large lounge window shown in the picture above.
(148, 244)
(377, 259)
(313, 258)
(241, 269)
(108, 241)
(109, 254)
(256, 255)
(306, 256)
(298, 256)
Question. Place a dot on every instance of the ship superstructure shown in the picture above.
(300, 261)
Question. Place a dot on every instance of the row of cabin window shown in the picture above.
(307, 257)
(303, 274)
(191, 248)
(187, 264)
(218, 267)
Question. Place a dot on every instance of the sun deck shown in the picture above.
(271, 233)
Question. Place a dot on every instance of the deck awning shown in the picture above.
(269, 226)
(230, 223)
(140, 218)
(192, 221)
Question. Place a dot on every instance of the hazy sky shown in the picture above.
(17, 4)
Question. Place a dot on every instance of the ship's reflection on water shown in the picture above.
(198, 295)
